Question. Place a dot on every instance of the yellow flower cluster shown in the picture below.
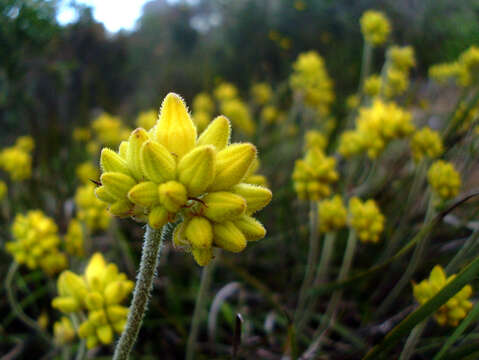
(109, 130)
(375, 27)
(400, 61)
(372, 85)
(444, 179)
(455, 309)
(402, 57)
(332, 214)
(91, 211)
(444, 72)
(100, 292)
(313, 175)
(17, 160)
(3, 190)
(81, 134)
(36, 243)
(464, 70)
(376, 126)
(315, 139)
(147, 119)
(74, 238)
(63, 331)
(366, 219)
(397, 82)
(203, 107)
(311, 78)
(261, 93)
(426, 143)
(157, 175)
(86, 172)
(238, 112)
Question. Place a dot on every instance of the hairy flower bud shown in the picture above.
(196, 170)
(158, 217)
(222, 205)
(257, 197)
(202, 256)
(251, 228)
(117, 184)
(144, 194)
(110, 161)
(136, 140)
(121, 208)
(228, 237)
(158, 164)
(173, 195)
(199, 232)
(216, 134)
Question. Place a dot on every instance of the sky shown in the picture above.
(114, 14)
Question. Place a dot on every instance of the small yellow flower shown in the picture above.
(402, 57)
(63, 331)
(147, 119)
(444, 179)
(350, 143)
(109, 130)
(375, 27)
(25, 143)
(16, 162)
(261, 93)
(397, 82)
(372, 85)
(270, 114)
(203, 103)
(452, 311)
(366, 219)
(315, 139)
(426, 143)
(91, 211)
(332, 214)
(238, 112)
(87, 172)
(225, 91)
(74, 238)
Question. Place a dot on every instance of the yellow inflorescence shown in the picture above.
(3, 190)
(147, 119)
(170, 173)
(17, 160)
(311, 78)
(397, 82)
(366, 219)
(464, 70)
(332, 214)
(261, 93)
(91, 211)
(402, 58)
(455, 309)
(314, 174)
(315, 139)
(99, 292)
(74, 238)
(238, 112)
(375, 27)
(63, 331)
(426, 143)
(109, 130)
(25, 143)
(444, 179)
(87, 172)
(36, 243)
(372, 85)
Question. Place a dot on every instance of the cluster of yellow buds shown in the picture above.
(426, 143)
(366, 219)
(375, 27)
(332, 214)
(74, 238)
(203, 108)
(464, 70)
(452, 311)
(315, 139)
(100, 292)
(400, 61)
(160, 174)
(444, 72)
(252, 177)
(17, 160)
(3, 190)
(397, 82)
(63, 331)
(372, 85)
(36, 243)
(311, 79)
(87, 172)
(81, 134)
(91, 211)
(147, 119)
(270, 114)
(402, 57)
(352, 102)
(225, 91)
(238, 112)
(261, 93)
(314, 174)
(444, 179)
(109, 130)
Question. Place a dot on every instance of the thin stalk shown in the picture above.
(412, 341)
(206, 278)
(312, 259)
(17, 308)
(467, 249)
(365, 65)
(144, 284)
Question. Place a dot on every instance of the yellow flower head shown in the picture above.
(444, 179)
(81, 134)
(169, 173)
(91, 211)
(16, 162)
(311, 78)
(100, 291)
(397, 82)
(203, 103)
(25, 143)
(366, 219)
(63, 331)
(402, 57)
(350, 143)
(74, 238)
(375, 27)
(109, 129)
(469, 61)
(86, 172)
(313, 175)
(270, 114)
(238, 112)
(444, 72)
(315, 139)
(455, 309)
(372, 85)
(331, 214)
(147, 119)
(3, 190)
(225, 91)
(36, 243)
(261, 93)
(426, 143)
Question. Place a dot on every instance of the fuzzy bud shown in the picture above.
(173, 195)
(216, 134)
(117, 184)
(228, 237)
(221, 206)
(157, 163)
(199, 233)
(251, 228)
(196, 170)
(110, 161)
(144, 194)
(202, 256)
(136, 140)
(257, 197)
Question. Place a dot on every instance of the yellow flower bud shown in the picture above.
(173, 195)
(121, 208)
(123, 149)
(116, 312)
(221, 206)
(117, 184)
(65, 304)
(63, 331)
(228, 237)
(199, 233)
(136, 140)
(196, 170)
(102, 194)
(94, 301)
(105, 334)
(158, 217)
(251, 228)
(175, 129)
(179, 239)
(110, 161)
(158, 164)
(257, 197)
(144, 194)
(232, 164)
(202, 256)
(216, 134)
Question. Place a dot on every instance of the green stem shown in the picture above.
(412, 341)
(206, 278)
(365, 65)
(16, 308)
(312, 258)
(144, 284)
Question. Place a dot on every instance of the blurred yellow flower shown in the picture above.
(16, 162)
(109, 130)
(204, 103)
(315, 139)
(238, 112)
(147, 119)
(261, 93)
(25, 143)
(91, 211)
(81, 134)
(225, 91)
(375, 27)
(444, 179)
(372, 85)
(332, 214)
(201, 120)
(426, 143)
(74, 238)
(86, 172)
(270, 114)
(63, 331)
(366, 219)
(401, 57)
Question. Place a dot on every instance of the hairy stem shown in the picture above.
(144, 283)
